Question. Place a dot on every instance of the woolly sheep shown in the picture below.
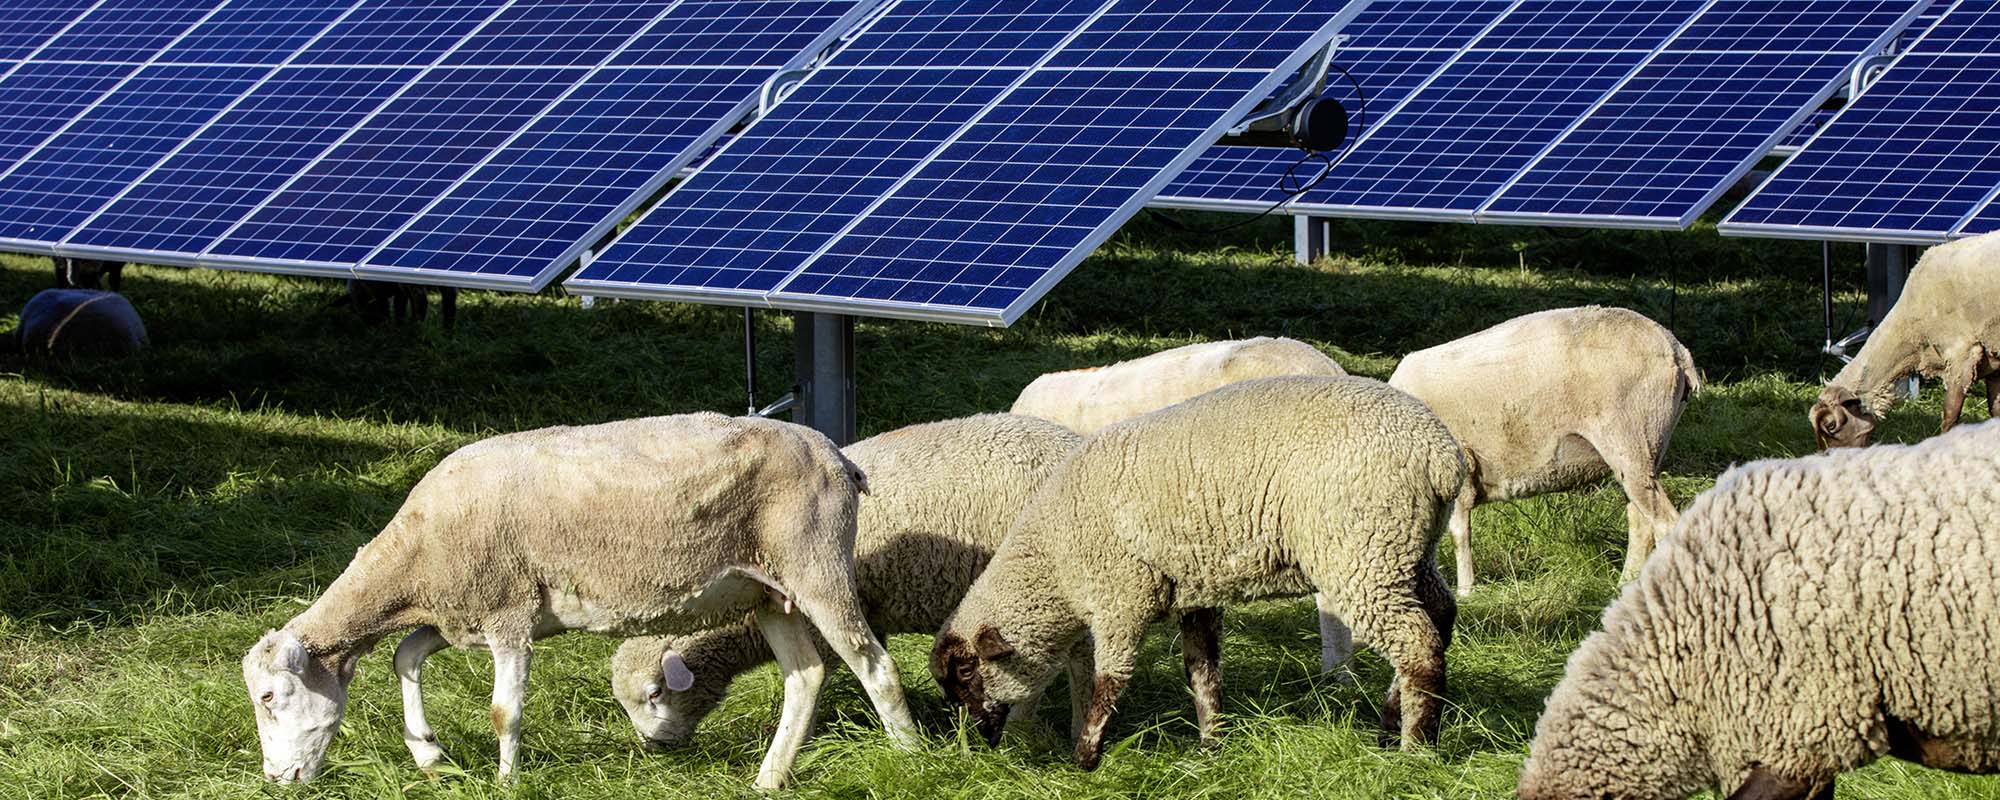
(665, 524)
(1553, 401)
(78, 321)
(941, 498)
(1807, 617)
(1091, 398)
(1947, 323)
(1265, 488)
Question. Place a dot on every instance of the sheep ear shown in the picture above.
(675, 669)
(1764, 784)
(287, 652)
(991, 646)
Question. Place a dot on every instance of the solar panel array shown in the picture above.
(1608, 114)
(959, 156)
(468, 142)
(1915, 158)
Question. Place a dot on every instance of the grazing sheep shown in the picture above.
(79, 322)
(379, 301)
(85, 273)
(659, 525)
(941, 497)
(1091, 398)
(1807, 617)
(1265, 488)
(1557, 400)
(1946, 325)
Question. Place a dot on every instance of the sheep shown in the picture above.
(942, 497)
(1091, 398)
(1270, 487)
(657, 525)
(1946, 324)
(1807, 617)
(84, 273)
(378, 301)
(1553, 401)
(79, 321)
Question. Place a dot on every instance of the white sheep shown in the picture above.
(666, 524)
(1265, 488)
(1091, 398)
(1946, 325)
(1557, 400)
(1807, 617)
(941, 497)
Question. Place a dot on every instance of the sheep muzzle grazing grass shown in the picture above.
(299, 698)
(1841, 419)
(955, 664)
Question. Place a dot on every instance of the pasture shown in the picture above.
(157, 513)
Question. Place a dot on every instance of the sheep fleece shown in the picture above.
(1807, 616)
(1091, 398)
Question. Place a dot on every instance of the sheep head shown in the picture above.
(1841, 418)
(657, 684)
(299, 698)
(965, 669)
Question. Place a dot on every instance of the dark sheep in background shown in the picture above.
(378, 301)
(85, 273)
(79, 321)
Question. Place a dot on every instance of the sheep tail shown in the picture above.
(1684, 362)
(853, 473)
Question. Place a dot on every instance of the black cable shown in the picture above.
(1288, 183)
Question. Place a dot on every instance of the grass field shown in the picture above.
(157, 513)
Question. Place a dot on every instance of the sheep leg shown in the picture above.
(1411, 641)
(1993, 396)
(1336, 644)
(421, 644)
(1082, 672)
(1201, 651)
(1461, 531)
(1649, 513)
(836, 612)
(799, 661)
(510, 695)
(1115, 648)
(448, 307)
(1958, 378)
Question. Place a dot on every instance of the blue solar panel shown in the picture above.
(385, 33)
(25, 25)
(255, 32)
(126, 30)
(782, 189)
(74, 173)
(37, 99)
(966, 187)
(1811, 125)
(1490, 112)
(1389, 49)
(1912, 159)
(594, 156)
(557, 33)
(1691, 121)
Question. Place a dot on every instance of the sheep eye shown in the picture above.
(652, 693)
(1852, 404)
(267, 698)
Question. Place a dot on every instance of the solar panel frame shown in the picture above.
(633, 57)
(1979, 99)
(778, 297)
(1672, 49)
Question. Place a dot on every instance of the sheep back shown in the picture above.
(1523, 395)
(1808, 616)
(1949, 306)
(1088, 399)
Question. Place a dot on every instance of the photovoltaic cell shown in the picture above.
(384, 33)
(255, 32)
(1913, 159)
(37, 99)
(1699, 113)
(593, 157)
(783, 188)
(126, 30)
(28, 24)
(960, 165)
(1389, 50)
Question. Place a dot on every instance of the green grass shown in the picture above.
(161, 511)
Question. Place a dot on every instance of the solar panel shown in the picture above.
(1389, 50)
(1700, 112)
(436, 129)
(1913, 159)
(590, 160)
(26, 25)
(276, 129)
(957, 160)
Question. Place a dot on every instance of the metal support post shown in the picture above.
(824, 351)
(1309, 237)
(1888, 269)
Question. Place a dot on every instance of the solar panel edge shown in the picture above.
(1110, 224)
(209, 124)
(1829, 234)
(462, 280)
(858, 14)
